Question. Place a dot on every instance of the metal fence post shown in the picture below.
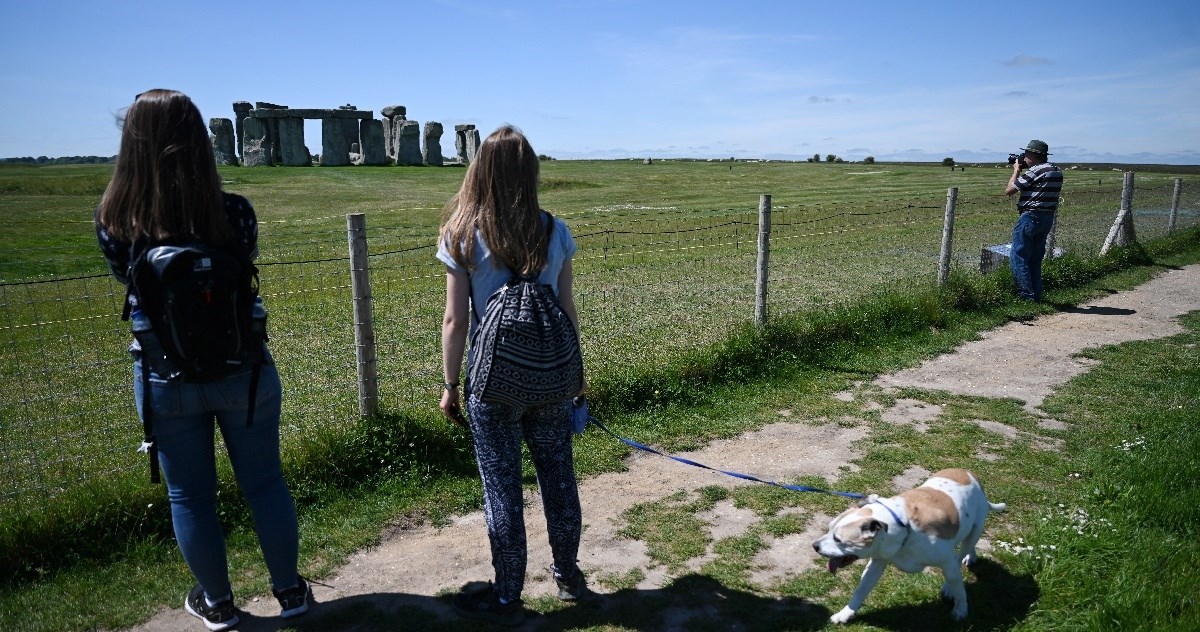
(1121, 234)
(947, 236)
(764, 258)
(1174, 205)
(364, 326)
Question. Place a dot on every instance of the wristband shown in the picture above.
(450, 386)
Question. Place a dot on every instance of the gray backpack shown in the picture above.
(525, 351)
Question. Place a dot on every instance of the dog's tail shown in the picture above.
(997, 507)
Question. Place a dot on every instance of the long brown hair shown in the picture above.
(165, 184)
(499, 198)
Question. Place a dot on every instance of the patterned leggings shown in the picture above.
(497, 430)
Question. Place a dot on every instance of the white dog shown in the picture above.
(936, 524)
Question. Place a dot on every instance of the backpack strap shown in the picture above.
(149, 444)
(549, 233)
(253, 398)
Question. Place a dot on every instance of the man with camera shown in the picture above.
(1039, 185)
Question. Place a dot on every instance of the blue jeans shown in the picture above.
(183, 418)
(497, 430)
(1028, 251)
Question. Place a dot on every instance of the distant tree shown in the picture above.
(870, 160)
(544, 157)
(840, 160)
(816, 158)
(947, 162)
(830, 158)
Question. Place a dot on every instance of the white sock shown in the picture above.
(213, 604)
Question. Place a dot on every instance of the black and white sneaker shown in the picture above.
(294, 601)
(571, 586)
(221, 616)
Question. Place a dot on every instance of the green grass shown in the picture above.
(833, 321)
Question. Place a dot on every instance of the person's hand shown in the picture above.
(451, 407)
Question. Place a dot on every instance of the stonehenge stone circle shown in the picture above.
(270, 134)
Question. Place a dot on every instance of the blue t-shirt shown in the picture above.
(486, 277)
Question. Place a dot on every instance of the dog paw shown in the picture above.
(960, 612)
(843, 615)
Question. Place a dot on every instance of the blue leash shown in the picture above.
(581, 410)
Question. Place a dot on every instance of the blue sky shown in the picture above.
(1098, 80)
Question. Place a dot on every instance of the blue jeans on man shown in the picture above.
(183, 422)
(1028, 251)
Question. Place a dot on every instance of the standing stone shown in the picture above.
(392, 116)
(472, 144)
(374, 150)
(335, 151)
(292, 150)
(408, 142)
(350, 126)
(222, 141)
(256, 147)
(460, 142)
(431, 148)
(272, 127)
(241, 110)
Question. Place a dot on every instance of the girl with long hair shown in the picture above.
(165, 187)
(494, 227)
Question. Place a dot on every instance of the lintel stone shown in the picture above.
(313, 114)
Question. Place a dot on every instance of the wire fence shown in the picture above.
(650, 282)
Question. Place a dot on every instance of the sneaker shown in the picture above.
(480, 601)
(570, 587)
(294, 601)
(216, 618)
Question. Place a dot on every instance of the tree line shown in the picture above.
(62, 160)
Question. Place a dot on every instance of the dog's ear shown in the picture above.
(875, 526)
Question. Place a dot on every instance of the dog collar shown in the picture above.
(900, 522)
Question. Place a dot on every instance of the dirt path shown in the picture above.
(1023, 360)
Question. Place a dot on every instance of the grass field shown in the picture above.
(658, 245)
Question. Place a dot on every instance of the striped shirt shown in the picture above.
(1040, 187)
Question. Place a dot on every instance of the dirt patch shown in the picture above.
(1020, 360)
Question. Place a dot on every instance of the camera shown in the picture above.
(1015, 157)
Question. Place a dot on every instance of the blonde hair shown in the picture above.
(165, 184)
(498, 198)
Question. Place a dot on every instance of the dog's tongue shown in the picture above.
(838, 562)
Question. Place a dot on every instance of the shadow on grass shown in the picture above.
(996, 600)
(691, 602)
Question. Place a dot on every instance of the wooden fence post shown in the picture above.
(1174, 205)
(1121, 234)
(764, 257)
(947, 236)
(364, 326)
